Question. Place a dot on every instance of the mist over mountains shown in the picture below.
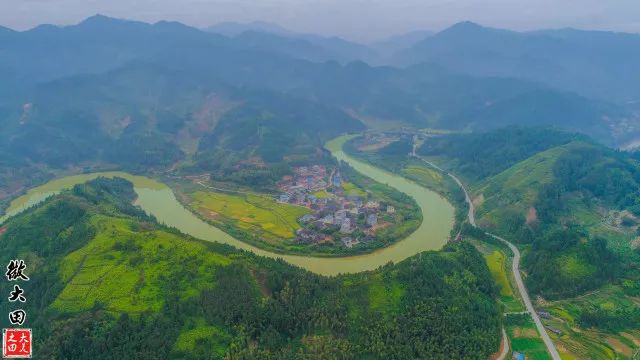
(66, 92)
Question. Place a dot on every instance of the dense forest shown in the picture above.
(108, 282)
(555, 194)
(567, 202)
(256, 143)
(479, 155)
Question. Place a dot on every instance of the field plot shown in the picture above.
(122, 268)
(618, 333)
(524, 337)
(249, 212)
(352, 189)
(428, 177)
(500, 267)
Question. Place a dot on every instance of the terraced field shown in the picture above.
(121, 269)
(579, 342)
(524, 337)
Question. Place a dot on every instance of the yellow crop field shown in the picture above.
(252, 210)
(351, 189)
(121, 268)
(496, 262)
(321, 194)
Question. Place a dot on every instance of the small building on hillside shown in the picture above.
(543, 314)
(391, 209)
(554, 330)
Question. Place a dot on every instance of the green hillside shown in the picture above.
(572, 209)
(476, 156)
(567, 202)
(108, 282)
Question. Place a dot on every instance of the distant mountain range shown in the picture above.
(75, 93)
(598, 64)
(312, 47)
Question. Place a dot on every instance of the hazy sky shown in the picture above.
(362, 20)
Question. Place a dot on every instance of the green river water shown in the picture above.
(157, 199)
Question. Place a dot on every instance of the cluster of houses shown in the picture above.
(349, 217)
(298, 189)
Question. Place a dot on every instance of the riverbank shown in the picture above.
(159, 200)
(260, 220)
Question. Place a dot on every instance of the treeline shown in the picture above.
(480, 155)
(567, 262)
(563, 259)
(609, 175)
(392, 157)
(256, 144)
(433, 305)
(612, 319)
(231, 167)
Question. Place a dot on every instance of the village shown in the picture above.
(337, 214)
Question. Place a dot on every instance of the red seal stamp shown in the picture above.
(16, 343)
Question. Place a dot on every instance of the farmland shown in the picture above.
(121, 268)
(499, 264)
(249, 212)
(110, 280)
(524, 337)
(613, 339)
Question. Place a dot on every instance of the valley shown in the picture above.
(581, 321)
(248, 191)
(159, 201)
(106, 264)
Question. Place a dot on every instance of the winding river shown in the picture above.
(158, 200)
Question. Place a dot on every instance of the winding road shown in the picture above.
(515, 268)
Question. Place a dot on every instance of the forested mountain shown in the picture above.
(121, 94)
(273, 126)
(475, 156)
(546, 190)
(95, 45)
(569, 204)
(598, 64)
(142, 108)
(524, 118)
(155, 293)
(421, 96)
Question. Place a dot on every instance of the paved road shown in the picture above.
(515, 268)
(551, 348)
